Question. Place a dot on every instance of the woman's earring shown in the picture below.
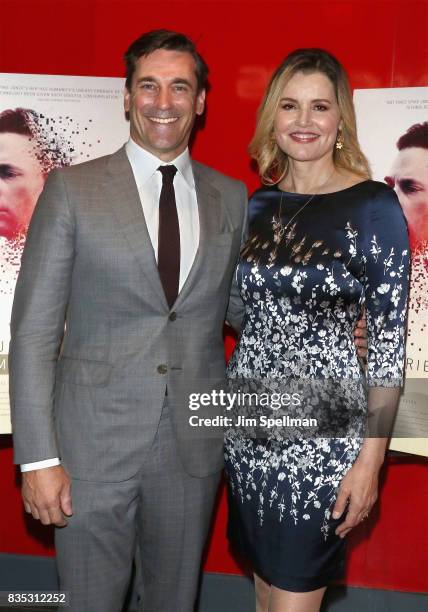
(339, 141)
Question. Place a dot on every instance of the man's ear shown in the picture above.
(126, 99)
(200, 102)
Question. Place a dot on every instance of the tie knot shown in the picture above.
(168, 173)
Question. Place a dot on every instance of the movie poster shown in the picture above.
(46, 122)
(393, 133)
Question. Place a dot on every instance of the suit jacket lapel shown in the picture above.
(125, 202)
(208, 198)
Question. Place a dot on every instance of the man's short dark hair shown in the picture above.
(17, 121)
(50, 150)
(416, 136)
(170, 41)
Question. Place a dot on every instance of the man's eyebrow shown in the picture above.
(176, 81)
(410, 182)
(146, 78)
(181, 81)
(7, 166)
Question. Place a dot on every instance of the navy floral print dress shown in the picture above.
(304, 279)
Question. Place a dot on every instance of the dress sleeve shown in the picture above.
(386, 283)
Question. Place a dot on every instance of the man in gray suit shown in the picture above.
(118, 313)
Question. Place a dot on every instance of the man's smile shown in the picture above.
(159, 120)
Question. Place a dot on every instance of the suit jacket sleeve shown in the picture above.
(37, 324)
(236, 309)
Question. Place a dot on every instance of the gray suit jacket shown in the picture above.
(94, 343)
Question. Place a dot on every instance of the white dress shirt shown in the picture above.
(149, 182)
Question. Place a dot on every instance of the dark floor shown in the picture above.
(38, 609)
(219, 592)
(232, 594)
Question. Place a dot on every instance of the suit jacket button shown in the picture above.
(172, 316)
(162, 368)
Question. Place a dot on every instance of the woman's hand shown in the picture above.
(359, 488)
(360, 337)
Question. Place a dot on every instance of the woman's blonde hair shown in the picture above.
(272, 162)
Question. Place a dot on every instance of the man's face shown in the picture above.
(163, 102)
(21, 181)
(409, 176)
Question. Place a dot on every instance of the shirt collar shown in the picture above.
(144, 164)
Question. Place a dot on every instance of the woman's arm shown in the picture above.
(386, 256)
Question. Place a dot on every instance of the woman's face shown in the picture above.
(308, 117)
(21, 181)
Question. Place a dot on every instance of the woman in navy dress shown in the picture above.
(325, 242)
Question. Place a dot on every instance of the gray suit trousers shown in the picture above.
(162, 510)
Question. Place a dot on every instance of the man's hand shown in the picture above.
(47, 495)
(360, 337)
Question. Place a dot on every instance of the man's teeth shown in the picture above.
(158, 120)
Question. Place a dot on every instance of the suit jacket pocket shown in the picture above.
(83, 371)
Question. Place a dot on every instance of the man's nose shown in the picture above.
(164, 98)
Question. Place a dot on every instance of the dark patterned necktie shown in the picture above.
(169, 236)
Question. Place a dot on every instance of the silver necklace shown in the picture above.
(280, 229)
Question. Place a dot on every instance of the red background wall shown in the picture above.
(382, 43)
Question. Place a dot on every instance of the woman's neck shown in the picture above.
(310, 177)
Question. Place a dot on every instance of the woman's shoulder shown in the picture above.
(376, 208)
(381, 213)
(354, 184)
(264, 193)
(263, 200)
(380, 196)
(370, 195)
(375, 188)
